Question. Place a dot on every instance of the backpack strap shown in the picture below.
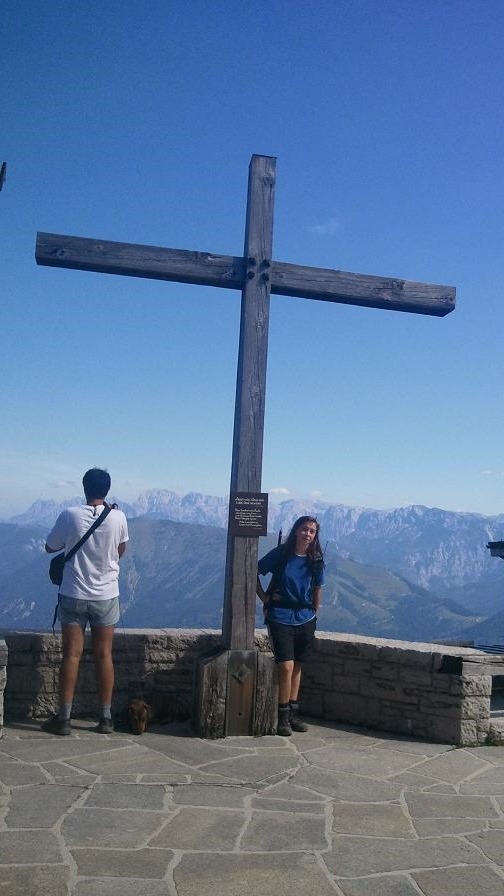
(277, 574)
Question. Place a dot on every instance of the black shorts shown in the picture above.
(292, 642)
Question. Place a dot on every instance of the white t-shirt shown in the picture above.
(93, 572)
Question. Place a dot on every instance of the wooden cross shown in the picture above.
(257, 276)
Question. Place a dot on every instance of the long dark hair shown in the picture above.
(314, 552)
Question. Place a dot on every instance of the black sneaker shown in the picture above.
(297, 724)
(105, 726)
(295, 721)
(284, 727)
(55, 725)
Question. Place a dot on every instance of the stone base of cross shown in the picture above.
(236, 687)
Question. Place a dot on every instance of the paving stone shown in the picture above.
(118, 779)
(494, 755)
(102, 886)
(250, 769)
(140, 863)
(331, 731)
(295, 874)
(40, 806)
(437, 805)
(226, 796)
(452, 767)
(268, 742)
(61, 773)
(29, 847)
(126, 796)
(111, 827)
(373, 821)
(485, 788)
(357, 739)
(442, 827)
(492, 775)
(192, 750)
(128, 761)
(37, 880)
(23, 729)
(417, 747)
(166, 778)
(415, 782)
(50, 747)
(460, 881)
(311, 742)
(203, 777)
(387, 885)
(288, 791)
(281, 831)
(15, 773)
(441, 788)
(204, 829)
(270, 805)
(378, 763)
(286, 748)
(492, 844)
(352, 788)
(358, 856)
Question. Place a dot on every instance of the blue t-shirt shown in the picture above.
(299, 577)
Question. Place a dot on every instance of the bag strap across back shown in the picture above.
(103, 515)
(89, 532)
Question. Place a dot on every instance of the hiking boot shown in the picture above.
(284, 727)
(105, 726)
(295, 721)
(55, 725)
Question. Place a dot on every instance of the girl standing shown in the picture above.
(291, 604)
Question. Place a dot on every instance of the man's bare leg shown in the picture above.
(101, 639)
(73, 645)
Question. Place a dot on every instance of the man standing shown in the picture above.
(89, 592)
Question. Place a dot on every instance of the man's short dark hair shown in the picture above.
(96, 483)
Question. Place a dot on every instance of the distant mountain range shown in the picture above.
(415, 573)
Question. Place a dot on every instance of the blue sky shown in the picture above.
(136, 122)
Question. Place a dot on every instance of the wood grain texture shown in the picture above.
(209, 717)
(246, 467)
(131, 260)
(266, 700)
(229, 272)
(241, 689)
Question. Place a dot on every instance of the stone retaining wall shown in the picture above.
(421, 690)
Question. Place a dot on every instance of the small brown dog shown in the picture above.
(139, 715)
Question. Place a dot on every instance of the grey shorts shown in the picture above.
(99, 613)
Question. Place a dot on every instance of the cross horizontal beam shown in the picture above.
(228, 272)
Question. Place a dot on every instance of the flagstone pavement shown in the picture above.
(334, 811)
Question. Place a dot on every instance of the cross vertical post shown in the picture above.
(246, 467)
